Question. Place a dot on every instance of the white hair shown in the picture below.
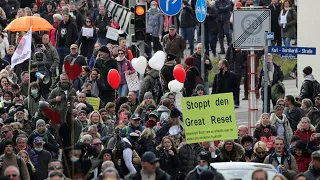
(57, 16)
(12, 168)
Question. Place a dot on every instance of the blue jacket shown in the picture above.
(155, 22)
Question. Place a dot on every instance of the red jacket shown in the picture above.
(305, 135)
(303, 163)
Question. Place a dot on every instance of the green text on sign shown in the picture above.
(208, 118)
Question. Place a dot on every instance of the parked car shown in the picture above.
(242, 170)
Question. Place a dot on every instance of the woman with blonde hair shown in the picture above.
(146, 141)
(264, 130)
(279, 177)
(261, 151)
(95, 119)
(25, 156)
(28, 11)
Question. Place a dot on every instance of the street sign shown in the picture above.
(170, 7)
(289, 56)
(201, 10)
(270, 36)
(250, 26)
(292, 50)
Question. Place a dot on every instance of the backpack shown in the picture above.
(156, 89)
(315, 88)
(119, 147)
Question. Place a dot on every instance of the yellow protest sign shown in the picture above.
(208, 118)
(94, 102)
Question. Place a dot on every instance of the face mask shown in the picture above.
(34, 91)
(248, 149)
(7, 102)
(74, 159)
(153, 7)
(19, 119)
(38, 149)
(202, 168)
(65, 86)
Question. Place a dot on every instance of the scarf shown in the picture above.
(150, 124)
(281, 121)
(172, 37)
(95, 89)
(283, 14)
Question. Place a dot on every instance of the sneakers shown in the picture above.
(245, 98)
(236, 106)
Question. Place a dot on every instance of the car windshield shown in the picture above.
(242, 174)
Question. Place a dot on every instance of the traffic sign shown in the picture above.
(292, 50)
(170, 7)
(270, 36)
(289, 56)
(250, 26)
(201, 10)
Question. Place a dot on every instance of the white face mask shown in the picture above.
(153, 7)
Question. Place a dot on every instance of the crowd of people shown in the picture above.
(50, 131)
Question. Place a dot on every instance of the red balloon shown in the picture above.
(114, 78)
(178, 65)
(179, 74)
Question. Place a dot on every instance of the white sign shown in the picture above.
(112, 33)
(88, 32)
(132, 81)
(250, 27)
(23, 51)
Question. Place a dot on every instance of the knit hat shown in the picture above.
(189, 61)
(8, 142)
(40, 121)
(174, 113)
(206, 175)
(148, 95)
(171, 57)
(300, 145)
(19, 109)
(104, 49)
(154, 114)
(42, 105)
(82, 111)
(246, 138)
(307, 70)
(199, 87)
(204, 155)
(238, 4)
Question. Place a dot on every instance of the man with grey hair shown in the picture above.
(82, 99)
(102, 23)
(111, 173)
(314, 169)
(12, 172)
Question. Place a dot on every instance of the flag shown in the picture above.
(23, 50)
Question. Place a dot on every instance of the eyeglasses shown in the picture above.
(5, 132)
(88, 21)
(136, 119)
(261, 152)
(11, 175)
(55, 168)
(120, 53)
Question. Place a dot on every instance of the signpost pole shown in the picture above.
(266, 76)
(202, 51)
(253, 99)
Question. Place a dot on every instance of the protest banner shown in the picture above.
(208, 118)
(94, 102)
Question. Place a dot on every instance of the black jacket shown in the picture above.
(69, 30)
(166, 73)
(105, 66)
(207, 67)
(211, 23)
(102, 23)
(277, 76)
(160, 175)
(190, 82)
(43, 159)
(237, 61)
(188, 17)
(221, 83)
(193, 175)
(169, 163)
(3, 63)
(275, 12)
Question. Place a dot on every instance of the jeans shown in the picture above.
(287, 41)
(224, 29)
(63, 51)
(123, 90)
(211, 40)
(102, 41)
(188, 34)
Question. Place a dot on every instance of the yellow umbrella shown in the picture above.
(24, 23)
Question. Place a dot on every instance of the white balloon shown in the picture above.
(175, 86)
(139, 64)
(157, 61)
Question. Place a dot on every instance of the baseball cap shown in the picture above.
(135, 116)
(149, 157)
(38, 140)
(172, 27)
